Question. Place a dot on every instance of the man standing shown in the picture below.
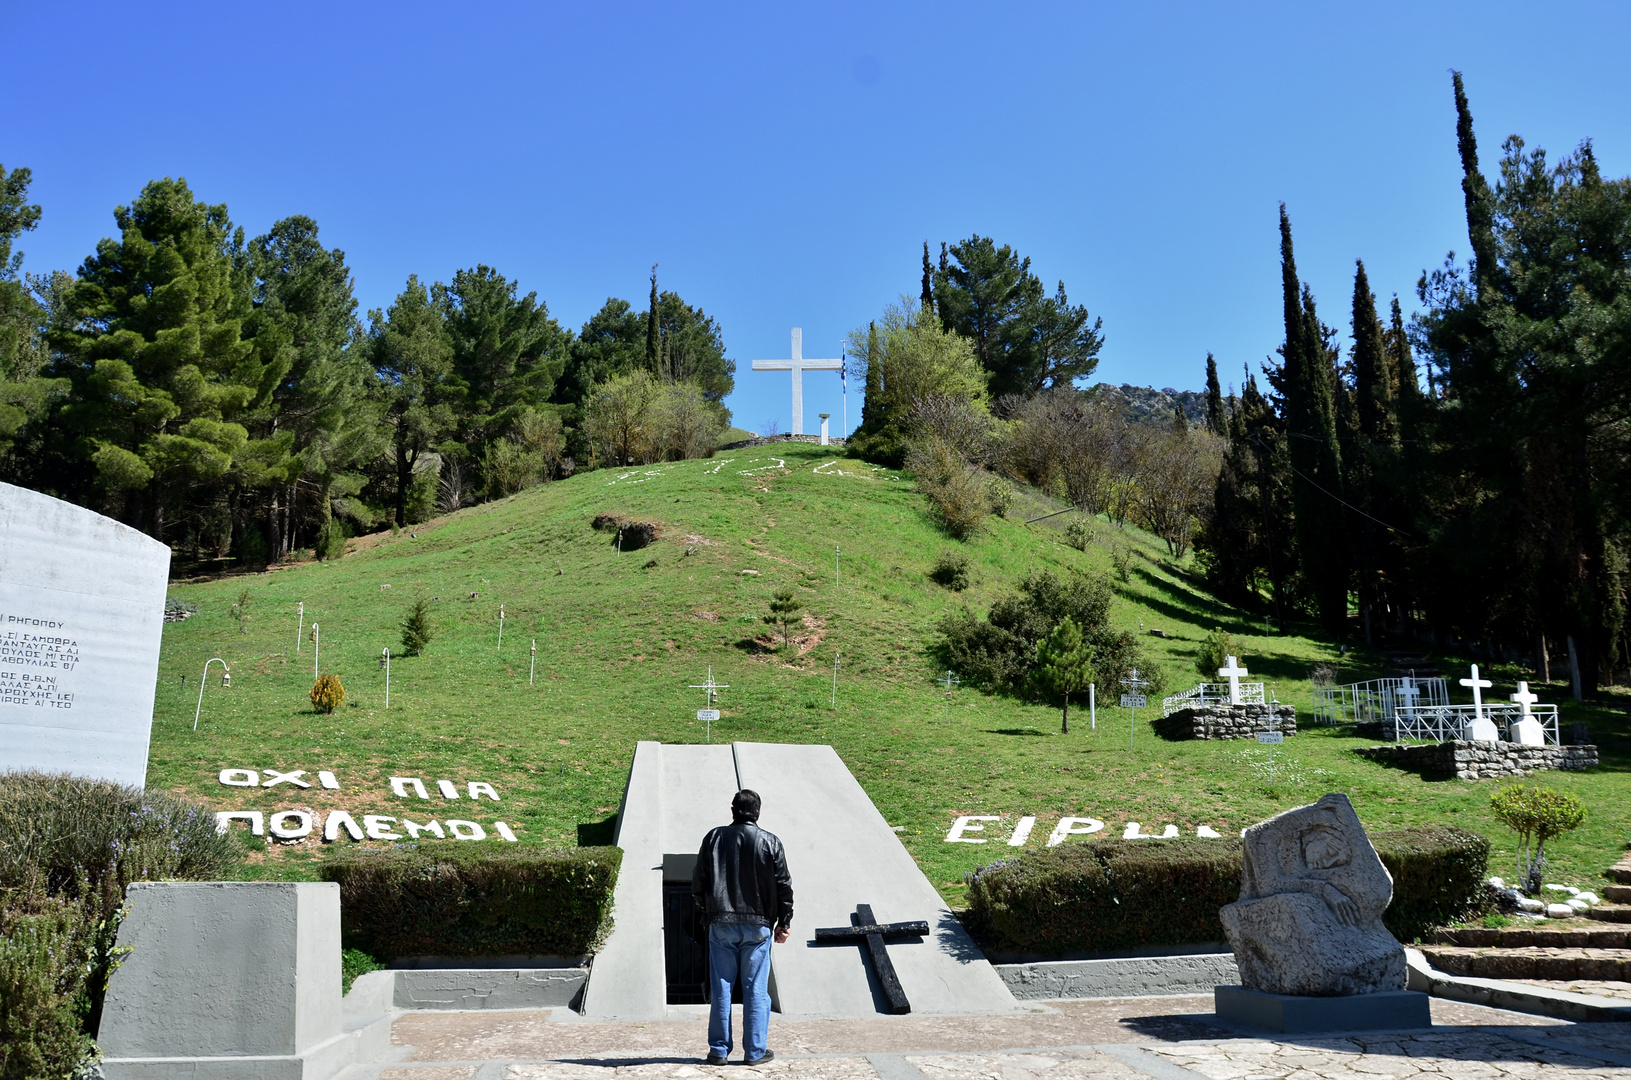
(742, 887)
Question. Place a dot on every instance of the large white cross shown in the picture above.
(1233, 671)
(798, 365)
(1477, 685)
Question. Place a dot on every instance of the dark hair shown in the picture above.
(745, 806)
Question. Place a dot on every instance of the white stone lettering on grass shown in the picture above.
(399, 786)
(1022, 832)
(1073, 826)
(1206, 832)
(432, 827)
(257, 825)
(328, 780)
(279, 824)
(240, 778)
(967, 824)
(274, 778)
(448, 788)
(379, 828)
(781, 463)
(1132, 832)
(504, 831)
(476, 789)
(337, 818)
(465, 830)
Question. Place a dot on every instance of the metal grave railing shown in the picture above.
(1441, 723)
(1211, 693)
(1376, 700)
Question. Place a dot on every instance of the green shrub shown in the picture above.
(950, 570)
(416, 628)
(327, 694)
(473, 901)
(42, 984)
(331, 538)
(355, 962)
(1079, 533)
(784, 609)
(1117, 894)
(1215, 649)
(1536, 814)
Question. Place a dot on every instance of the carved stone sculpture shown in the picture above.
(1309, 918)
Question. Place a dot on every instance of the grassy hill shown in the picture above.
(622, 634)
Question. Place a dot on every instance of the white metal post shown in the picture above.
(385, 655)
(316, 647)
(201, 678)
(300, 628)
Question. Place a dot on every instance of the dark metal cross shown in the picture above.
(868, 931)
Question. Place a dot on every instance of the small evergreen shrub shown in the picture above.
(1127, 894)
(1079, 533)
(331, 538)
(327, 694)
(1215, 648)
(355, 962)
(41, 976)
(475, 900)
(951, 571)
(784, 609)
(417, 629)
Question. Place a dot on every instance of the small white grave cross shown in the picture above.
(1233, 671)
(949, 680)
(1527, 731)
(798, 365)
(1525, 698)
(709, 714)
(1477, 685)
(1409, 691)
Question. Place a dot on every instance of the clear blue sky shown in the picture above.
(784, 164)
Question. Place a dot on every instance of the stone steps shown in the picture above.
(1588, 936)
(1608, 965)
(1617, 894)
(1621, 871)
(1615, 913)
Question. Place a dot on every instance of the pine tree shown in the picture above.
(1064, 666)
(1315, 459)
(1215, 420)
(1375, 441)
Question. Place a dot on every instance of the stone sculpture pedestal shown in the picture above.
(1385, 1010)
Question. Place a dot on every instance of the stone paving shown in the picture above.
(1601, 988)
(1135, 1039)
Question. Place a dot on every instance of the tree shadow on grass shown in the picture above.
(1015, 731)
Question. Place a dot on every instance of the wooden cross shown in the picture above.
(869, 931)
(1233, 671)
(1477, 685)
(798, 365)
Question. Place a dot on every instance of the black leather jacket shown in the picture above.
(741, 877)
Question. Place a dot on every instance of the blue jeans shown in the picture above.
(739, 953)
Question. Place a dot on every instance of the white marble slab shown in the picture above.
(81, 617)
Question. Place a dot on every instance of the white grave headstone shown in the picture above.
(1483, 728)
(798, 365)
(1527, 731)
(81, 615)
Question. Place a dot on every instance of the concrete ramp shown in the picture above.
(841, 853)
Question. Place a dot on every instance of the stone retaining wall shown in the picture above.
(769, 440)
(1466, 760)
(1224, 722)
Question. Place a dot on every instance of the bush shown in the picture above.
(1115, 894)
(951, 571)
(331, 538)
(1079, 533)
(1215, 648)
(523, 901)
(1000, 652)
(416, 628)
(42, 973)
(355, 962)
(1539, 814)
(327, 694)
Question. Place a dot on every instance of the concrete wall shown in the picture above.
(81, 616)
(228, 979)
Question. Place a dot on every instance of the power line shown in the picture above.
(1339, 499)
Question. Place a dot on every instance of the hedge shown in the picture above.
(521, 901)
(1115, 894)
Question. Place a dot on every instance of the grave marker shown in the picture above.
(1527, 731)
(950, 681)
(1233, 671)
(870, 932)
(711, 688)
(1483, 729)
(1134, 700)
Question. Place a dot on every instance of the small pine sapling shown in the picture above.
(327, 694)
(240, 610)
(784, 608)
(1064, 666)
(416, 628)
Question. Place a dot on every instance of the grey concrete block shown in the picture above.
(488, 988)
(229, 979)
(1141, 976)
(1386, 1010)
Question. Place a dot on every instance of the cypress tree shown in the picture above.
(1180, 422)
(872, 403)
(1376, 437)
(1373, 386)
(1401, 365)
(1215, 416)
(653, 333)
(1316, 462)
(1475, 193)
(928, 280)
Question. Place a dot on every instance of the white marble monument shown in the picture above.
(1482, 728)
(798, 365)
(1527, 731)
(81, 614)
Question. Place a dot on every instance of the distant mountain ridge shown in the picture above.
(1146, 405)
